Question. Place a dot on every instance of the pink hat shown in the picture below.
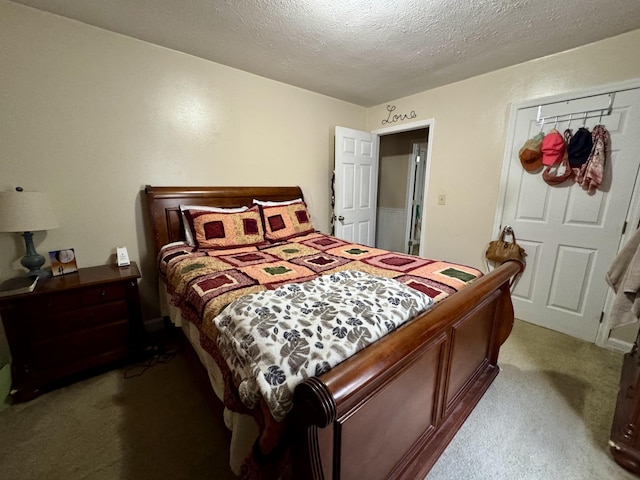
(553, 147)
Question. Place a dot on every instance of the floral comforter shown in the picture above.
(273, 340)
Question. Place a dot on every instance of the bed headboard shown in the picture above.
(164, 204)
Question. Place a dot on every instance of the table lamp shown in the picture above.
(27, 212)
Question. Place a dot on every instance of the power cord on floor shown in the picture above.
(157, 354)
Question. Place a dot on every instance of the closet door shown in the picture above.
(571, 237)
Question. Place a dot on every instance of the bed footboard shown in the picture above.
(389, 411)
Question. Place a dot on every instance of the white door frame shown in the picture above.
(633, 216)
(407, 127)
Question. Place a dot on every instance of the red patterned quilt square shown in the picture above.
(397, 261)
(435, 290)
(213, 229)
(248, 258)
(320, 262)
(324, 243)
(276, 222)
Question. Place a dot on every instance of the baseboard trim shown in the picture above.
(618, 345)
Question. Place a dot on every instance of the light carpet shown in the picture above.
(547, 416)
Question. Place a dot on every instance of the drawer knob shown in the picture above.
(103, 293)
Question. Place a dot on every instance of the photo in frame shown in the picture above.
(63, 261)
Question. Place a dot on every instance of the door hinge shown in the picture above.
(624, 227)
(601, 317)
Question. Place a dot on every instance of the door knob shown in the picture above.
(341, 218)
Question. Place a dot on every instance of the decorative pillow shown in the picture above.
(188, 236)
(269, 203)
(226, 230)
(282, 222)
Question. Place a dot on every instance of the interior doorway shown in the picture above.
(355, 184)
(401, 182)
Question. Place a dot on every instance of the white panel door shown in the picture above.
(415, 198)
(571, 237)
(356, 186)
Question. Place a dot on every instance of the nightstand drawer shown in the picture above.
(50, 304)
(103, 293)
(52, 326)
(54, 352)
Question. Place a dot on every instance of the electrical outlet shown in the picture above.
(442, 199)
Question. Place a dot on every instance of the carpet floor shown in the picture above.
(547, 416)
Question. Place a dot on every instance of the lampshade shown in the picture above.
(26, 212)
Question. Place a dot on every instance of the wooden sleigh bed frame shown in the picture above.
(390, 410)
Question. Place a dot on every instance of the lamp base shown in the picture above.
(39, 272)
(32, 259)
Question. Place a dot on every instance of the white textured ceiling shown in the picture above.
(364, 52)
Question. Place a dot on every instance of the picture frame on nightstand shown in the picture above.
(63, 261)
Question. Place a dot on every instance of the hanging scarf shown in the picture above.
(590, 176)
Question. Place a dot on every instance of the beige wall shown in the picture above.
(90, 117)
(469, 136)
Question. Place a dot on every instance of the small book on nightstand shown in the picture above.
(17, 285)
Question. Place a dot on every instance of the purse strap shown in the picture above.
(507, 230)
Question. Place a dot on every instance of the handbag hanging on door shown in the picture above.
(502, 250)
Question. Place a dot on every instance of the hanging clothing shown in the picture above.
(624, 277)
(591, 173)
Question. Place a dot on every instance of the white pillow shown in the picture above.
(188, 236)
(172, 244)
(266, 203)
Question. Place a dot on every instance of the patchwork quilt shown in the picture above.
(202, 282)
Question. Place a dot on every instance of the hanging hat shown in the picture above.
(553, 147)
(530, 154)
(579, 147)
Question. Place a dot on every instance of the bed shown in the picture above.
(389, 410)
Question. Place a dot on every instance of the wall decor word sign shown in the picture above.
(395, 117)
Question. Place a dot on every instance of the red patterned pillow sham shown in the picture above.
(224, 229)
(282, 222)
(188, 236)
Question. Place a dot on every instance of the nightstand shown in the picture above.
(72, 324)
